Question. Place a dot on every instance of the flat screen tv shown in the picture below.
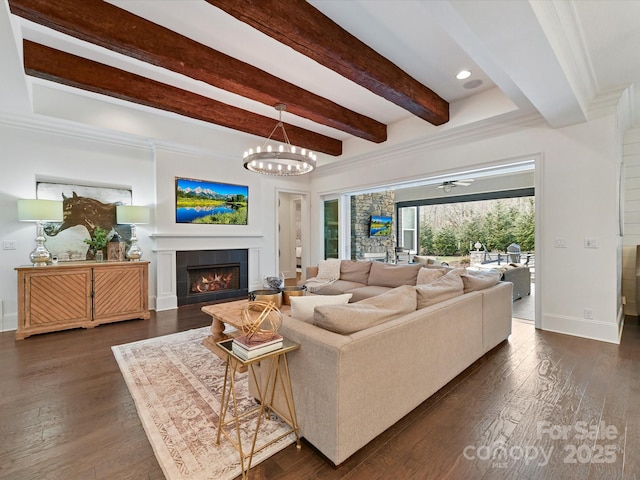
(380, 226)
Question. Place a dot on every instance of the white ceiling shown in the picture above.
(553, 57)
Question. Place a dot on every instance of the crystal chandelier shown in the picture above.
(283, 160)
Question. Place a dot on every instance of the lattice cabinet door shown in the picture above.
(53, 300)
(120, 292)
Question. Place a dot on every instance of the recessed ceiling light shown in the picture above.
(463, 74)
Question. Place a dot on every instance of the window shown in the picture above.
(408, 228)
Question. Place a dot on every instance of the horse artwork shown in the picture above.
(84, 209)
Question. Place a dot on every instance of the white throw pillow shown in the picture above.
(302, 308)
(329, 270)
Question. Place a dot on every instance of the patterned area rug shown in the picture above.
(176, 384)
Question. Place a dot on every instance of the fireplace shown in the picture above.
(213, 278)
(211, 275)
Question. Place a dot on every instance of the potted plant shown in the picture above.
(97, 243)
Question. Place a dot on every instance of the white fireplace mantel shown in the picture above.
(166, 245)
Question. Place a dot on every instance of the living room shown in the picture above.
(584, 144)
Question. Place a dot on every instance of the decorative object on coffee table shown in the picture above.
(261, 320)
(273, 282)
(226, 323)
(267, 295)
(293, 291)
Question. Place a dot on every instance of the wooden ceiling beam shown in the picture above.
(111, 27)
(301, 26)
(50, 64)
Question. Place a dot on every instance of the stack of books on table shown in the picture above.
(248, 348)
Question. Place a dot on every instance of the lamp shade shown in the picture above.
(40, 210)
(132, 214)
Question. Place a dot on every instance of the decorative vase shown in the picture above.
(99, 256)
(273, 282)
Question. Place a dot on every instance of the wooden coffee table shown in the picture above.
(223, 315)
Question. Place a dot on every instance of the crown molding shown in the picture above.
(496, 125)
(67, 128)
(606, 103)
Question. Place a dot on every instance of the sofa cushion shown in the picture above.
(446, 287)
(390, 275)
(346, 319)
(363, 292)
(329, 269)
(476, 280)
(428, 275)
(338, 287)
(354, 271)
(302, 307)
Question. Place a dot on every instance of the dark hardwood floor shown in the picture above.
(67, 413)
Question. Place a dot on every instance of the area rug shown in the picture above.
(176, 384)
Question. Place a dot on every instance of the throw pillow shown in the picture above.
(390, 275)
(425, 260)
(354, 271)
(329, 270)
(428, 275)
(446, 287)
(302, 307)
(475, 280)
(346, 319)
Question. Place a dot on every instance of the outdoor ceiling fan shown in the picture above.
(449, 184)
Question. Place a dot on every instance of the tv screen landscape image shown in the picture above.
(380, 226)
(201, 201)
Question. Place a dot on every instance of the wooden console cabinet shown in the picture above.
(80, 294)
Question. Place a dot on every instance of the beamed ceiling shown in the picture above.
(369, 73)
(301, 27)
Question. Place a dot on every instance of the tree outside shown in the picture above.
(453, 229)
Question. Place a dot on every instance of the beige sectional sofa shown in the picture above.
(350, 387)
(366, 279)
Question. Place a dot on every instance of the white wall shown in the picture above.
(31, 152)
(576, 194)
(56, 150)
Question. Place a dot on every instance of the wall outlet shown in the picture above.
(588, 313)
(590, 242)
(8, 244)
(560, 243)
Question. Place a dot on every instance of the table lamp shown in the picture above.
(40, 211)
(133, 215)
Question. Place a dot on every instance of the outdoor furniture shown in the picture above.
(521, 279)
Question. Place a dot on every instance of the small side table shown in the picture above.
(278, 374)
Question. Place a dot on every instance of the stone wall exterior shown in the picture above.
(362, 207)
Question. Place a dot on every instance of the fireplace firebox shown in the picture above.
(211, 275)
(212, 278)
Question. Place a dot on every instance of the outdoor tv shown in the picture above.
(380, 226)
